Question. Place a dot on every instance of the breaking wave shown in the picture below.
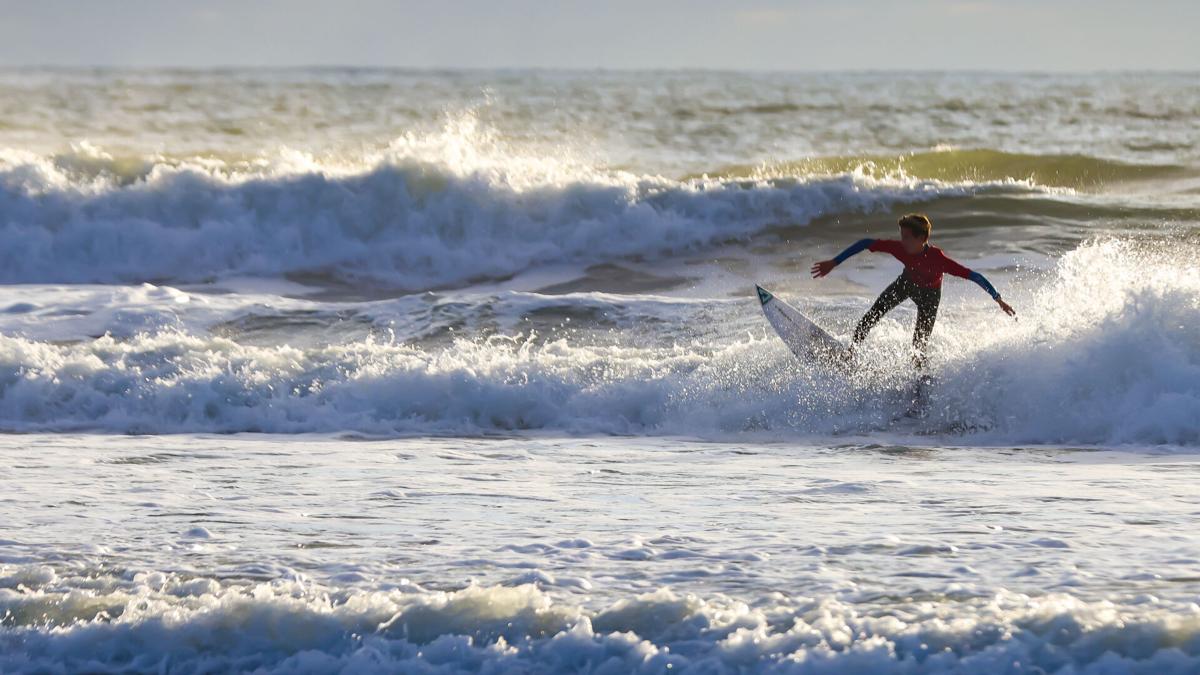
(979, 165)
(427, 211)
(1097, 358)
(157, 621)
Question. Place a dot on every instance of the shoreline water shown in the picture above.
(448, 553)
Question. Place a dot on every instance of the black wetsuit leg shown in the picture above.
(927, 301)
(893, 295)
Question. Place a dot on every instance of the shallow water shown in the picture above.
(137, 546)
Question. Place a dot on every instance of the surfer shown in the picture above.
(921, 280)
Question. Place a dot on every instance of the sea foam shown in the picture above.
(1096, 359)
(427, 211)
(160, 621)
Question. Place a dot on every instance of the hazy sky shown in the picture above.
(754, 34)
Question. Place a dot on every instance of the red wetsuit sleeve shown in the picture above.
(953, 268)
(887, 246)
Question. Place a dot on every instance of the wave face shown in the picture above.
(420, 216)
(644, 366)
(981, 165)
(406, 222)
(202, 626)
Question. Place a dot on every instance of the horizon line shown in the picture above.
(589, 69)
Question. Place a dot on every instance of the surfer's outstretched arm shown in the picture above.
(958, 270)
(824, 267)
(853, 249)
(984, 284)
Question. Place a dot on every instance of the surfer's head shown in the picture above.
(914, 231)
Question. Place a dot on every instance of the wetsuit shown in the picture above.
(921, 280)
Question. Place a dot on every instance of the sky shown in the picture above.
(1052, 35)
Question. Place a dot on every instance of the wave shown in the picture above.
(202, 625)
(426, 212)
(1096, 359)
(978, 165)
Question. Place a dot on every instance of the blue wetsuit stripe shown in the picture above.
(984, 284)
(857, 247)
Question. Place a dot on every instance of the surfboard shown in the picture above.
(807, 340)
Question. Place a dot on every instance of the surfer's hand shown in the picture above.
(1006, 307)
(822, 268)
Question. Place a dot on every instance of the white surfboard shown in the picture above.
(807, 340)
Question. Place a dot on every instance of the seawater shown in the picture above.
(383, 370)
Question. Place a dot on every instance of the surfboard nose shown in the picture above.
(764, 296)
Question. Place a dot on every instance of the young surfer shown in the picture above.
(921, 280)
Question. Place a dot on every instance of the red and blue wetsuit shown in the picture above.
(921, 281)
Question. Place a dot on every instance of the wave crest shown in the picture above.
(409, 225)
(1105, 358)
(201, 625)
(424, 212)
(980, 165)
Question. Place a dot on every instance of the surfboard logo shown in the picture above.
(763, 296)
(808, 341)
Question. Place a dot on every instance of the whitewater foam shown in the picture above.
(408, 371)
(427, 211)
(289, 627)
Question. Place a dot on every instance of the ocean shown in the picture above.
(381, 370)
